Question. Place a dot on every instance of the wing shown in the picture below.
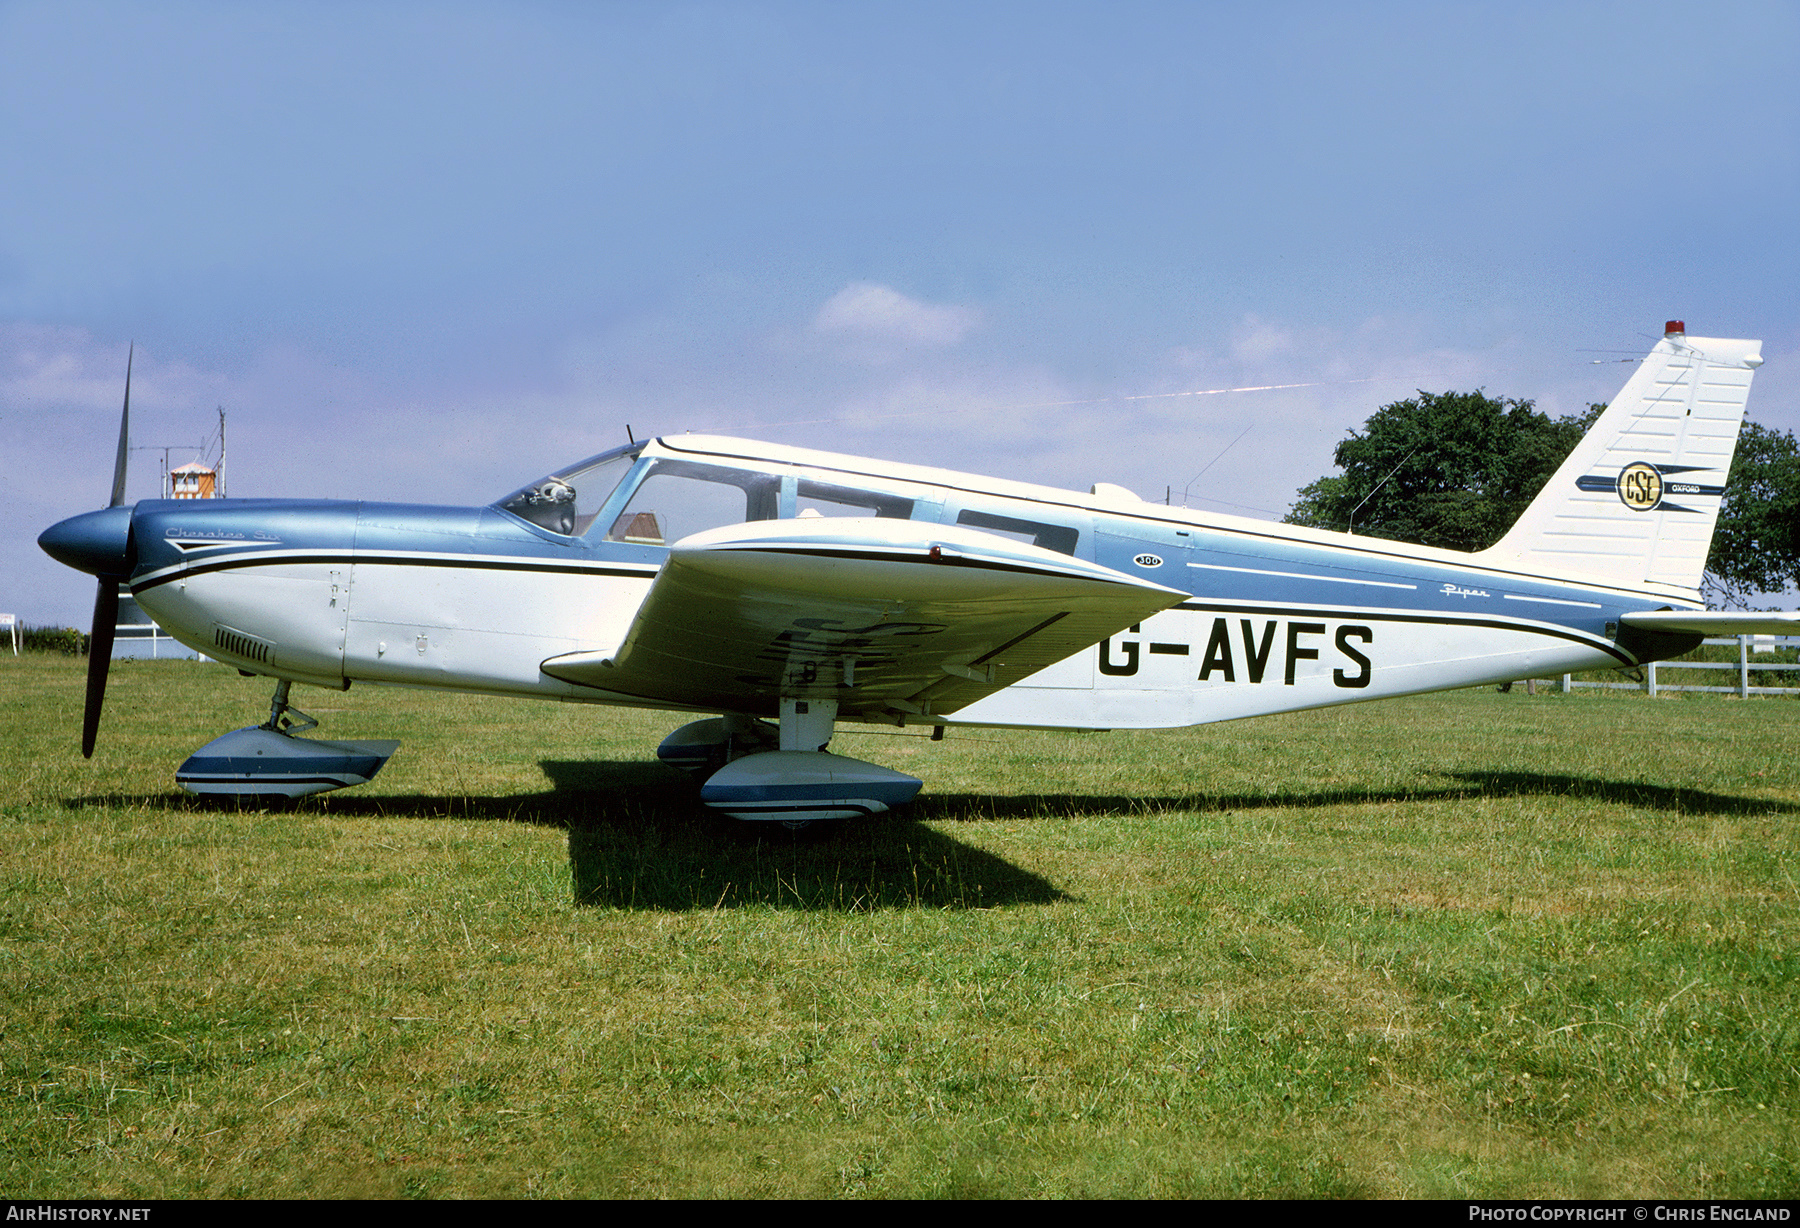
(887, 617)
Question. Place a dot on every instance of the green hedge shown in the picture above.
(66, 640)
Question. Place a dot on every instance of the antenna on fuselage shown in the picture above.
(1209, 464)
(1350, 529)
(628, 438)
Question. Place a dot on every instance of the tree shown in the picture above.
(1756, 548)
(1451, 469)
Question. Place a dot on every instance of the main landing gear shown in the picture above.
(759, 771)
(268, 759)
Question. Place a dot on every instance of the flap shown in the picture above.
(884, 616)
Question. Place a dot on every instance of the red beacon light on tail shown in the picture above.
(1675, 328)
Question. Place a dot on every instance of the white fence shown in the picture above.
(149, 640)
(1746, 644)
(139, 636)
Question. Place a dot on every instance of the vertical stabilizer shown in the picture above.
(1636, 501)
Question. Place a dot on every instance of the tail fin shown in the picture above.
(1636, 501)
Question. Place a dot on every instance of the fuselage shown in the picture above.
(476, 598)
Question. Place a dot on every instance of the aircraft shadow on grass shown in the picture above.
(638, 837)
(974, 807)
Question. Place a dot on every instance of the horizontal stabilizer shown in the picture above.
(1716, 622)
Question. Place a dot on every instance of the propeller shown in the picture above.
(100, 543)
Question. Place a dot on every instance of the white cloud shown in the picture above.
(1255, 340)
(870, 311)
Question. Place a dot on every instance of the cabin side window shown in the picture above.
(1058, 537)
(824, 499)
(678, 498)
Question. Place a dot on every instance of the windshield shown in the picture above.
(567, 501)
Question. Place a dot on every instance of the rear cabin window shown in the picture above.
(680, 498)
(1058, 537)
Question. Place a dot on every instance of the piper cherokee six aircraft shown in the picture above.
(786, 590)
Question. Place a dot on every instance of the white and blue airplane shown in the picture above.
(780, 591)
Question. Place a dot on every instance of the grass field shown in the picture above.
(1470, 945)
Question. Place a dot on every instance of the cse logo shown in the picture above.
(1640, 486)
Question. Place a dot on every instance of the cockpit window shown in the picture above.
(679, 498)
(566, 502)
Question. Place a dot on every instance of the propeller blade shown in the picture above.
(100, 646)
(118, 490)
(106, 597)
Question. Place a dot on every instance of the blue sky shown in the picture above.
(427, 252)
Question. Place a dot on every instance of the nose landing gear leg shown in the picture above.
(280, 709)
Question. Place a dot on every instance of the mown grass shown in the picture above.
(1467, 945)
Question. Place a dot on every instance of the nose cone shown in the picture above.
(98, 543)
